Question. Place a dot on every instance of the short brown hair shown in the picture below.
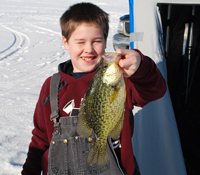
(83, 13)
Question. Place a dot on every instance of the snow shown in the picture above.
(30, 51)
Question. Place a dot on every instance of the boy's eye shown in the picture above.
(98, 41)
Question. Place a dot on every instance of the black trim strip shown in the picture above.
(47, 99)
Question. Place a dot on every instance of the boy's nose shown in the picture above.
(89, 48)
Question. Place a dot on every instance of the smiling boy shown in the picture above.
(56, 147)
(86, 45)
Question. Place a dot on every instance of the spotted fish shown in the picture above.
(102, 109)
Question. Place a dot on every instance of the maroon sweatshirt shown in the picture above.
(144, 86)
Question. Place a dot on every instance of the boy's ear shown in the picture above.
(65, 44)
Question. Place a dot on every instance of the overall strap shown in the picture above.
(54, 88)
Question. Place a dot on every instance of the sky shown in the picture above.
(30, 51)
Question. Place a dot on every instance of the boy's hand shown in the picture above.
(130, 61)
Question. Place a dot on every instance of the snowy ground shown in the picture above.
(30, 50)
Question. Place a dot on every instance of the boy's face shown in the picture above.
(86, 46)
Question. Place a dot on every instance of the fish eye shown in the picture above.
(105, 66)
(114, 87)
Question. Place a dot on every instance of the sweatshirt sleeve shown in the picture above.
(39, 143)
(146, 84)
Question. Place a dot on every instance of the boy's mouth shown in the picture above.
(88, 59)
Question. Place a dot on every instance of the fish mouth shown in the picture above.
(112, 57)
(111, 73)
(111, 78)
(88, 58)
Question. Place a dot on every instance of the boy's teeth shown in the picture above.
(87, 59)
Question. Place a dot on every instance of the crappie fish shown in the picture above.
(102, 109)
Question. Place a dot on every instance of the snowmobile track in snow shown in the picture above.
(20, 43)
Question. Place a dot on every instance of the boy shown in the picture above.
(84, 33)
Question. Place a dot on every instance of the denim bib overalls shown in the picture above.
(68, 150)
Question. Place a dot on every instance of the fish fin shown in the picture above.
(103, 155)
(114, 94)
(98, 154)
(116, 131)
(82, 127)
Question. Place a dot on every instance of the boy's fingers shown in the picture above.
(130, 61)
(122, 62)
(123, 51)
(125, 63)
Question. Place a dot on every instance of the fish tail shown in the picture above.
(98, 154)
(103, 155)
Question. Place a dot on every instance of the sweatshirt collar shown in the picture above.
(65, 69)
